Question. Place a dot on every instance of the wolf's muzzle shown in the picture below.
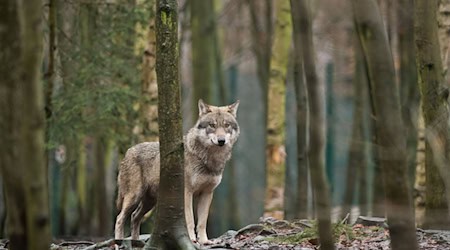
(221, 142)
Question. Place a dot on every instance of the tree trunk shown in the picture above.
(26, 186)
(444, 33)
(11, 166)
(275, 132)
(357, 162)
(361, 88)
(203, 28)
(170, 228)
(409, 88)
(302, 118)
(316, 152)
(390, 138)
(148, 110)
(434, 94)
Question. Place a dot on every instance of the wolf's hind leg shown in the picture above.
(128, 205)
(204, 201)
(138, 214)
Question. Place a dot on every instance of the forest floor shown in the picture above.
(366, 233)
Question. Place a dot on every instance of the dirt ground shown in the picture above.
(271, 233)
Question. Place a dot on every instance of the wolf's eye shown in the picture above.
(212, 125)
(226, 125)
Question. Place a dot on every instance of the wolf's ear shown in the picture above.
(233, 108)
(203, 108)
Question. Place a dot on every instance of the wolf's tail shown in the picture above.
(119, 201)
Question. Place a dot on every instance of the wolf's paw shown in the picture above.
(205, 242)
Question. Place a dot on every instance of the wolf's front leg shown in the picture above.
(204, 201)
(189, 214)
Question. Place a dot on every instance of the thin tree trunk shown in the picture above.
(103, 223)
(149, 90)
(275, 132)
(203, 27)
(302, 118)
(357, 163)
(316, 152)
(434, 94)
(390, 138)
(409, 88)
(170, 228)
(361, 84)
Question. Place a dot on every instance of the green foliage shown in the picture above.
(100, 74)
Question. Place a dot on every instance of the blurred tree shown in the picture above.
(170, 227)
(357, 160)
(148, 106)
(203, 28)
(434, 93)
(390, 140)
(316, 153)
(22, 153)
(444, 33)
(409, 88)
(300, 209)
(262, 33)
(275, 149)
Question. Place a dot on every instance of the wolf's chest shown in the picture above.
(204, 183)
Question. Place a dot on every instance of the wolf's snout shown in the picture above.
(221, 141)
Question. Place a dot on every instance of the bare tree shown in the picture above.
(22, 153)
(170, 227)
(301, 203)
(316, 153)
(275, 133)
(391, 142)
(434, 106)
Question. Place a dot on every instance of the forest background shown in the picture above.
(100, 95)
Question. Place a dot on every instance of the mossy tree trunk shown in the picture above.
(23, 152)
(434, 93)
(275, 133)
(316, 153)
(301, 202)
(170, 227)
(391, 143)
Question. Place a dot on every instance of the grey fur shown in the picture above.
(207, 148)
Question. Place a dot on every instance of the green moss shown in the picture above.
(312, 233)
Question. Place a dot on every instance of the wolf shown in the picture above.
(207, 147)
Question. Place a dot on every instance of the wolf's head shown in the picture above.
(217, 125)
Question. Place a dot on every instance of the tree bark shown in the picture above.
(23, 160)
(390, 138)
(170, 228)
(302, 118)
(275, 132)
(434, 94)
(316, 152)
